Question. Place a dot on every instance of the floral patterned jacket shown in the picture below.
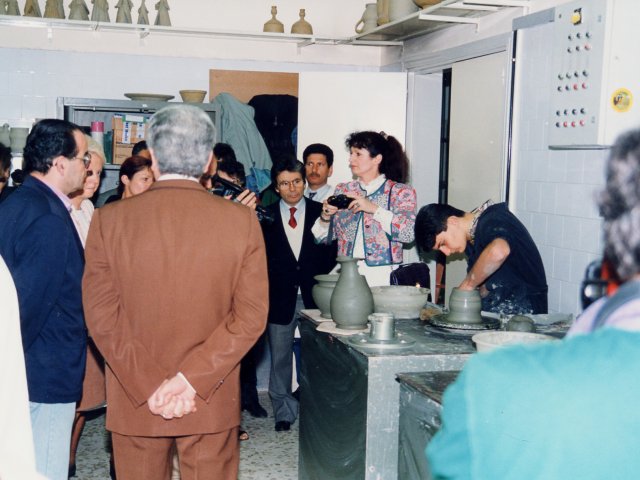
(380, 248)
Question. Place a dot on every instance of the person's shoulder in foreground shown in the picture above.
(561, 410)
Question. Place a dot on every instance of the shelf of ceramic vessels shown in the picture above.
(145, 30)
(438, 16)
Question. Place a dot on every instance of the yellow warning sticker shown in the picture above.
(621, 100)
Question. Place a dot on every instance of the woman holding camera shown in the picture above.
(381, 209)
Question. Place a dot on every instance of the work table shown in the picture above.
(349, 411)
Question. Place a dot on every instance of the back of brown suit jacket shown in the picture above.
(175, 281)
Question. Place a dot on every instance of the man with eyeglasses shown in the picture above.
(294, 258)
(44, 254)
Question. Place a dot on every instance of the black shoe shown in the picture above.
(296, 394)
(72, 470)
(255, 409)
(283, 426)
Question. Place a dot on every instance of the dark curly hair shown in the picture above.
(395, 164)
(432, 221)
(48, 139)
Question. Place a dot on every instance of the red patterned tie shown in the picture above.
(292, 220)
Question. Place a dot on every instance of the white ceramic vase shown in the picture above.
(401, 8)
(369, 19)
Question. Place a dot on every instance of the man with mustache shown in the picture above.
(318, 164)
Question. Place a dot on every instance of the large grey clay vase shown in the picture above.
(352, 301)
(322, 291)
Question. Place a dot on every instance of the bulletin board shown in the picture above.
(244, 85)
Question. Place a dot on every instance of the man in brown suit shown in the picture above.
(175, 293)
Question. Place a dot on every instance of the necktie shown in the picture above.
(292, 220)
(311, 195)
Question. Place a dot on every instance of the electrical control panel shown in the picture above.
(596, 73)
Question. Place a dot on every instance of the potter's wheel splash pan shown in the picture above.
(364, 340)
(442, 321)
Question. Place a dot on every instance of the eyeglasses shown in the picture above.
(296, 183)
(86, 159)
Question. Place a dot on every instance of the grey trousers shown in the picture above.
(280, 338)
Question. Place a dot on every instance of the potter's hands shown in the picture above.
(174, 398)
(327, 211)
(361, 204)
(491, 259)
(468, 285)
(247, 198)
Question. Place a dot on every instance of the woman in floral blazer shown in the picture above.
(382, 214)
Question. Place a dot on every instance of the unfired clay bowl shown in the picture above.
(400, 300)
(464, 306)
(520, 323)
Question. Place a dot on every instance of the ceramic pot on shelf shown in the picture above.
(352, 301)
(383, 11)
(369, 19)
(426, 3)
(401, 8)
(322, 291)
(273, 25)
(302, 27)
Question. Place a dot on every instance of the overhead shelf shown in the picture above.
(424, 21)
(143, 31)
(436, 17)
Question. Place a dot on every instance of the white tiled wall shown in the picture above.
(554, 189)
(33, 79)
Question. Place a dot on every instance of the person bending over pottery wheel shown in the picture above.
(560, 410)
(503, 261)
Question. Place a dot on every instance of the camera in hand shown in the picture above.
(225, 188)
(339, 201)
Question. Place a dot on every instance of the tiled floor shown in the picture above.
(267, 455)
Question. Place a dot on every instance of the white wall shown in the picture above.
(33, 79)
(329, 18)
(552, 191)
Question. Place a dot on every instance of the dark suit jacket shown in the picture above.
(175, 281)
(286, 273)
(41, 247)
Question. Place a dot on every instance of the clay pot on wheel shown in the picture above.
(464, 306)
(352, 301)
(322, 291)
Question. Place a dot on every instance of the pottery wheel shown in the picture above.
(364, 340)
(442, 321)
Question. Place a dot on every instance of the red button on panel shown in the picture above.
(573, 124)
(582, 123)
(575, 86)
(565, 124)
(584, 86)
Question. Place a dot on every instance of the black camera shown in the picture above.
(224, 188)
(340, 201)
